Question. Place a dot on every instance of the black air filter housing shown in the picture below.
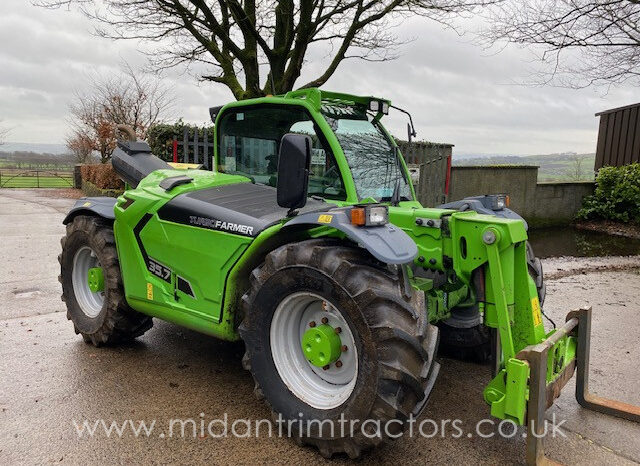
(133, 160)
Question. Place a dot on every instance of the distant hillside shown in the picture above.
(567, 166)
(34, 160)
(38, 148)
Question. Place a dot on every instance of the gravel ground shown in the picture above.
(558, 267)
(50, 378)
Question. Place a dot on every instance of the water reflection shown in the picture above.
(569, 241)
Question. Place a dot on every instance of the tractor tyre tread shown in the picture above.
(117, 321)
(398, 325)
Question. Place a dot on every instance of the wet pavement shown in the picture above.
(50, 378)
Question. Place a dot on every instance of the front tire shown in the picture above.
(387, 370)
(99, 311)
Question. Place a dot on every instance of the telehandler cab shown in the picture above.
(307, 242)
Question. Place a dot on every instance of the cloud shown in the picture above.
(456, 91)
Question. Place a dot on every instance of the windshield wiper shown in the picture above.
(395, 199)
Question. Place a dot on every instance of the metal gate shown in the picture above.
(36, 179)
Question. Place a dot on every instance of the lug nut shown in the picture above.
(312, 323)
(418, 221)
(338, 330)
(343, 348)
(338, 364)
(432, 261)
(430, 222)
(324, 368)
(325, 320)
(421, 259)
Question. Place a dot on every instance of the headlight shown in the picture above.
(499, 201)
(370, 215)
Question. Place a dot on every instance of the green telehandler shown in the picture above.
(306, 241)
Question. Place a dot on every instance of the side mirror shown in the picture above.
(294, 160)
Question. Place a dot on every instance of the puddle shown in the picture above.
(569, 241)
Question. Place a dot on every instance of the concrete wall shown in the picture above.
(541, 204)
(519, 182)
(558, 203)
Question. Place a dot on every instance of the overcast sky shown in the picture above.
(457, 92)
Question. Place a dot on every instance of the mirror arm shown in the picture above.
(411, 128)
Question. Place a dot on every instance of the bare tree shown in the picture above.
(4, 132)
(81, 146)
(575, 172)
(583, 42)
(127, 98)
(262, 42)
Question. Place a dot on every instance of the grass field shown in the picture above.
(30, 179)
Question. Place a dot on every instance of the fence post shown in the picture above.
(206, 149)
(77, 177)
(38, 177)
(185, 145)
(175, 149)
(195, 145)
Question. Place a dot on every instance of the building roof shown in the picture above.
(617, 109)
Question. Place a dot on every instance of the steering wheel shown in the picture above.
(331, 173)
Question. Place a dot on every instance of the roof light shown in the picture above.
(379, 106)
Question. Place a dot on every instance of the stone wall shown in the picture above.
(541, 204)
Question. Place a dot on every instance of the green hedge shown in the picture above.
(160, 137)
(616, 197)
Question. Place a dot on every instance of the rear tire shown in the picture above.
(474, 343)
(394, 344)
(100, 317)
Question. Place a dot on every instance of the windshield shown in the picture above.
(248, 142)
(374, 163)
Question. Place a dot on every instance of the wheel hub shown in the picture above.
(95, 279)
(324, 373)
(321, 345)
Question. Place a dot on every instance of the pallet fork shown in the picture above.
(542, 395)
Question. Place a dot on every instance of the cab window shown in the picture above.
(249, 139)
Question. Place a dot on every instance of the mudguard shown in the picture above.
(387, 243)
(481, 205)
(100, 206)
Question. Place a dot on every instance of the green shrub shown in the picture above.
(160, 138)
(616, 197)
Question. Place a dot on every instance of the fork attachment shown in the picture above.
(542, 393)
